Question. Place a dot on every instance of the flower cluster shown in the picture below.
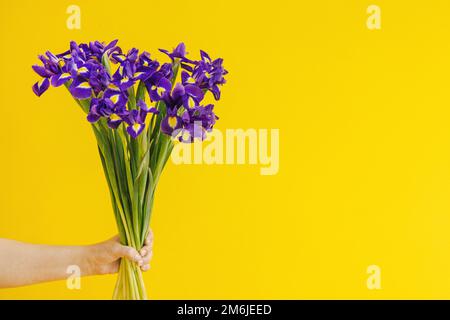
(85, 70)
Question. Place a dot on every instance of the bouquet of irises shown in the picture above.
(135, 135)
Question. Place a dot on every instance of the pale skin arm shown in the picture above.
(24, 264)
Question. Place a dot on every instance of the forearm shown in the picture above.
(23, 264)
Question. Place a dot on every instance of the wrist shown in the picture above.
(87, 260)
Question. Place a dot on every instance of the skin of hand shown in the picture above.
(24, 264)
(104, 257)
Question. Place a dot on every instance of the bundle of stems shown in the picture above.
(132, 168)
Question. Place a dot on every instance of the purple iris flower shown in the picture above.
(206, 116)
(206, 73)
(166, 70)
(187, 95)
(136, 123)
(118, 57)
(196, 123)
(179, 52)
(123, 77)
(145, 66)
(187, 78)
(193, 96)
(183, 110)
(100, 108)
(132, 55)
(124, 80)
(133, 67)
(87, 77)
(174, 100)
(191, 131)
(77, 52)
(172, 123)
(60, 79)
(158, 86)
(50, 69)
(99, 78)
(209, 74)
(117, 117)
(118, 97)
(105, 108)
(135, 119)
(50, 65)
(143, 106)
(97, 49)
(80, 89)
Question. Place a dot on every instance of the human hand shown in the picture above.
(104, 257)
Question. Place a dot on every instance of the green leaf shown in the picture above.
(106, 63)
(105, 148)
(143, 164)
(131, 99)
(120, 225)
(148, 204)
(140, 92)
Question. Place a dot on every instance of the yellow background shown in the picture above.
(364, 149)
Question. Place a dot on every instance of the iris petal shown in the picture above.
(170, 123)
(135, 129)
(43, 72)
(80, 90)
(41, 86)
(59, 79)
